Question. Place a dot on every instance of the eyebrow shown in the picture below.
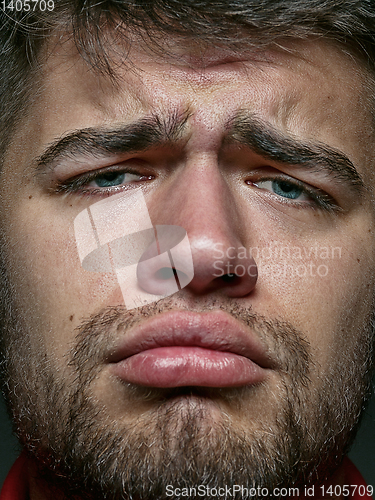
(244, 128)
(267, 141)
(98, 142)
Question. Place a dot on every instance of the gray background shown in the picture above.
(362, 454)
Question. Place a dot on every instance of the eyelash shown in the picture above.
(76, 185)
(320, 199)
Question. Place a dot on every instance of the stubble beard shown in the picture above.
(180, 441)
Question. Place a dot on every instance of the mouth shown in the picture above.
(182, 348)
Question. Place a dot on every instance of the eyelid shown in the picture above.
(319, 198)
(77, 183)
(302, 190)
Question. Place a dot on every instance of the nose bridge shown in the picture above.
(201, 201)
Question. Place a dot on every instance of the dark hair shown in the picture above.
(233, 23)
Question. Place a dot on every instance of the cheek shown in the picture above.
(323, 284)
(53, 292)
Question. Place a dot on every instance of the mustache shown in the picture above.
(97, 335)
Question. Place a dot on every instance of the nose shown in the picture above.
(200, 200)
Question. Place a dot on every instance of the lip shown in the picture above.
(183, 348)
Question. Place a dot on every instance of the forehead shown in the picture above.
(311, 89)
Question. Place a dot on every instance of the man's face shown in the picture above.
(232, 372)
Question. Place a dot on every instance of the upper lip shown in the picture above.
(214, 330)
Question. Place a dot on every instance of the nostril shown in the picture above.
(165, 273)
(169, 273)
(229, 278)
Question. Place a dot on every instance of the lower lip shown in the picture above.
(179, 366)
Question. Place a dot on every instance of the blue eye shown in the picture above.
(106, 182)
(286, 189)
(296, 191)
(109, 179)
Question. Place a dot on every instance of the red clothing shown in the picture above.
(16, 487)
